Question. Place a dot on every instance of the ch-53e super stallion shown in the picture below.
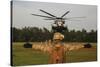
(58, 25)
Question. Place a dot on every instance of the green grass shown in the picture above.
(28, 56)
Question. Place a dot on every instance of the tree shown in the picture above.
(36, 34)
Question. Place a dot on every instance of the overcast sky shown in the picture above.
(22, 15)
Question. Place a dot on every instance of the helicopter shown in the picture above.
(58, 25)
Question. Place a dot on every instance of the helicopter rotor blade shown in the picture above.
(65, 14)
(72, 20)
(47, 13)
(75, 18)
(50, 19)
(41, 16)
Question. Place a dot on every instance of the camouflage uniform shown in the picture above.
(57, 52)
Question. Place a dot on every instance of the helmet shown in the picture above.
(58, 36)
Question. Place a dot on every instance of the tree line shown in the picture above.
(35, 34)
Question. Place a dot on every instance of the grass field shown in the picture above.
(28, 56)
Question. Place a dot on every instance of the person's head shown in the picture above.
(58, 37)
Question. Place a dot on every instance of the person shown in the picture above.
(57, 52)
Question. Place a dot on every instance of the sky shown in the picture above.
(22, 10)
